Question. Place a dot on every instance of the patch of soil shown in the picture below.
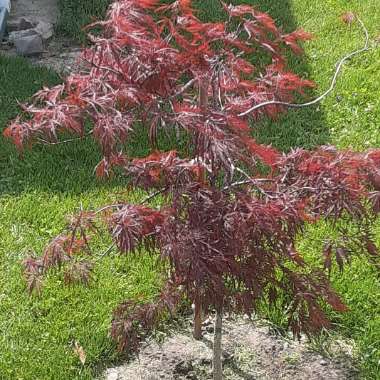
(251, 351)
(61, 55)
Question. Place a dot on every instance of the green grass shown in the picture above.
(36, 194)
(74, 14)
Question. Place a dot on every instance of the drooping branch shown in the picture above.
(339, 66)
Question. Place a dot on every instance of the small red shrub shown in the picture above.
(228, 234)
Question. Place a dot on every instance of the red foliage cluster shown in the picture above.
(150, 71)
(227, 230)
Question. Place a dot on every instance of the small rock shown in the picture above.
(24, 24)
(210, 329)
(19, 24)
(45, 30)
(29, 45)
(323, 362)
(18, 34)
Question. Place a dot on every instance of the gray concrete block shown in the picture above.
(29, 45)
(17, 34)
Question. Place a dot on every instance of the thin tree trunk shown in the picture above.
(203, 94)
(217, 352)
(197, 333)
(203, 103)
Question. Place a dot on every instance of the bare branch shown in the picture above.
(153, 195)
(247, 182)
(107, 251)
(184, 88)
(339, 66)
(110, 69)
(116, 205)
(45, 142)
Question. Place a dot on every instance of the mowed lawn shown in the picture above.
(48, 183)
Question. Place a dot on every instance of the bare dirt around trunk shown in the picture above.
(250, 351)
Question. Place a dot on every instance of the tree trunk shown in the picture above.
(217, 352)
(203, 94)
(197, 333)
(203, 103)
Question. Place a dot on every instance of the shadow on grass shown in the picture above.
(297, 128)
(70, 168)
(67, 168)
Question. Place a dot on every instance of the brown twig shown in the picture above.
(45, 142)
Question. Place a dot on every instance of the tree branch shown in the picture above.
(118, 205)
(252, 181)
(153, 195)
(45, 142)
(111, 70)
(339, 66)
(183, 88)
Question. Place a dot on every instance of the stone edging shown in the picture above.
(29, 37)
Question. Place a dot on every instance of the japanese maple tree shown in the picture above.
(232, 208)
